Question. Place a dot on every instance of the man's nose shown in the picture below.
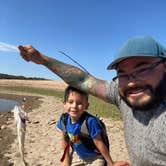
(131, 80)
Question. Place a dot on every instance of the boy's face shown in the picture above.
(75, 105)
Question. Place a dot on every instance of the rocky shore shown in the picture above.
(42, 142)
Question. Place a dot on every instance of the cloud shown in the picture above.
(7, 47)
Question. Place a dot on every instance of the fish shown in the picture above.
(20, 117)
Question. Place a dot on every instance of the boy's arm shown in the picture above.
(105, 153)
(66, 161)
(70, 74)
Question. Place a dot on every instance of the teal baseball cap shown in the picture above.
(139, 46)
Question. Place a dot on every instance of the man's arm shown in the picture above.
(70, 74)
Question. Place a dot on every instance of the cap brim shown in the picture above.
(114, 63)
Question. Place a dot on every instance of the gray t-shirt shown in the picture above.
(145, 132)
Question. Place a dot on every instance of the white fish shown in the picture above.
(20, 117)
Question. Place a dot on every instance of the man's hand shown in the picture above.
(31, 54)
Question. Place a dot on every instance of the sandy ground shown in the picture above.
(46, 84)
(42, 142)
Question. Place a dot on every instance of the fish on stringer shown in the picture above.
(20, 117)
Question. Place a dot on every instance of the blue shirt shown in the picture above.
(74, 129)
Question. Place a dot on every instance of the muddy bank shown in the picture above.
(6, 135)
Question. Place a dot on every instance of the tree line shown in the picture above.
(7, 76)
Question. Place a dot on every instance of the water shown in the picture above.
(7, 105)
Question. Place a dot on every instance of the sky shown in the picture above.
(90, 31)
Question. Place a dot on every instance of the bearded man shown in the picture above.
(138, 91)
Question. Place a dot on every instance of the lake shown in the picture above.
(7, 105)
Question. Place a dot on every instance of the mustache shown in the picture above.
(127, 90)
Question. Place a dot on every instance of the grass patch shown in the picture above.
(103, 109)
(97, 106)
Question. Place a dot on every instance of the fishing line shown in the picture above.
(8, 47)
(11, 48)
(74, 61)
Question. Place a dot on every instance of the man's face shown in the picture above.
(141, 81)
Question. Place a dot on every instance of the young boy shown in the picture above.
(76, 104)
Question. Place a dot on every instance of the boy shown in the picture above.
(76, 104)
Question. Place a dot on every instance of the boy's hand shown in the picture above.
(30, 54)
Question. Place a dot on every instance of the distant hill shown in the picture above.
(7, 76)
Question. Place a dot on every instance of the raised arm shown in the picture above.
(70, 74)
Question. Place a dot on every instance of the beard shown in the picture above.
(157, 95)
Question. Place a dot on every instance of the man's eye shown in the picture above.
(142, 71)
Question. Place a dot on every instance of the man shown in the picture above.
(138, 91)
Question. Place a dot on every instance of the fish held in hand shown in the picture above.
(20, 117)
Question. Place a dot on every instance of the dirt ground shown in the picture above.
(42, 141)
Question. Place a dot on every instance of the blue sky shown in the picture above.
(90, 31)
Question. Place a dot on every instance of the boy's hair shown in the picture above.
(70, 89)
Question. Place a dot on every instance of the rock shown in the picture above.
(3, 127)
(35, 122)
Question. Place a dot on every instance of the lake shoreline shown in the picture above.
(6, 136)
